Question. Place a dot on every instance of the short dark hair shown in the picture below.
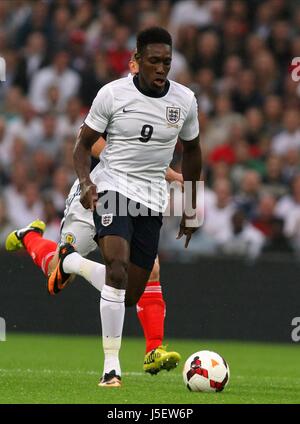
(151, 36)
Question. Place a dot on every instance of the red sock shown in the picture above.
(41, 250)
(151, 313)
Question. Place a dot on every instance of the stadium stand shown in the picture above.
(235, 55)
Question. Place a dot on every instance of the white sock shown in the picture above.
(93, 272)
(112, 311)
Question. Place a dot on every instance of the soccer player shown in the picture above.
(142, 117)
(79, 228)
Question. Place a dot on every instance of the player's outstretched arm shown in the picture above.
(191, 170)
(82, 164)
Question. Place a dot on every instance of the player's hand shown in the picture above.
(179, 179)
(185, 229)
(89, 195)
(173, 176)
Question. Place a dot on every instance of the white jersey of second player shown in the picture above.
(142, 132)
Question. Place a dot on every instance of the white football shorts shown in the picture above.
(77, 226)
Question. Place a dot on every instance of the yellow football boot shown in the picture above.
(159, 359)
(14, 239)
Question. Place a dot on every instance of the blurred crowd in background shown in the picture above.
(234, 54)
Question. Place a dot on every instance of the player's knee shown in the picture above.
(155, 273)
(117, 274)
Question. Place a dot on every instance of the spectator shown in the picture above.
(231, 70)
(67, 156)
(37, 21)
(273, 111)
(70, 122)
(14, 192)
(278, 243)
(60, 190)
(289, 138)
(79, 55)
(19, 151)
(29, 208)
(226, 152)
(207, 89)
(10, 72)
(218, 130)
(246, 94)
(242, 163)
(208, 53)
(248, 195)
(265, 214)
(191, 12)
(27, 125)
(42, 168)
(255, 127)
(279, 43)
(5, 145)
(267, 74)
(118, 55)
(93, 78)
(34, 57)
(186, 41)
(164, 13)
(57, 74)
(264, 19)
(83, 16)
(100, 33)
(273, 181)
(218, 213)
(291, 165)
(234, 31)
(254, 46)
(178, 67)
(218, 171)
(49, 141)
(241, 238)
(59, 36)
(289, 202)
(217, 13)
(5, 224)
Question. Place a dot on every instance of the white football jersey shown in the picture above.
(142, 133)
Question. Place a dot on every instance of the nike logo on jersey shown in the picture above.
(128, 110)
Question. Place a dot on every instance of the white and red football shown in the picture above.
(206, 371)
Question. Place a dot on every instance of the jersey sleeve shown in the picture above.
(101, 110)
(190, 127)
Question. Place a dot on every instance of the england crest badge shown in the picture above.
(106, 219)
(173, 114)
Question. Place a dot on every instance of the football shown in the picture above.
(206, 371)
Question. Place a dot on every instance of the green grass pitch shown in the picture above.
(66, 369)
